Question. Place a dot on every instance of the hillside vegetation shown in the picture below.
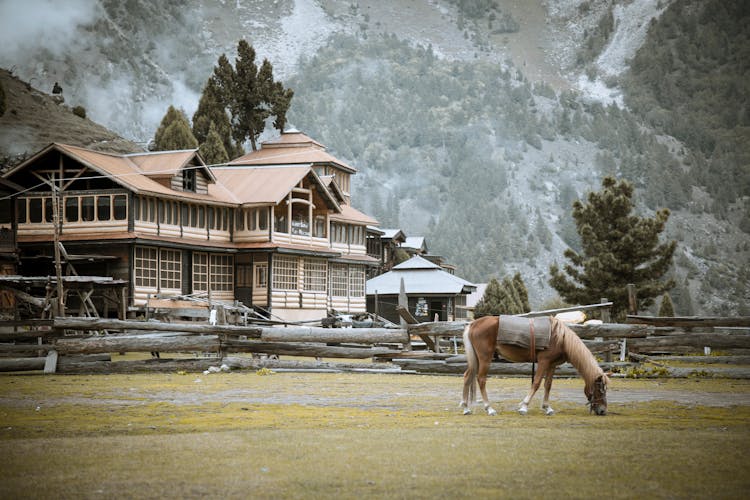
(477, 158)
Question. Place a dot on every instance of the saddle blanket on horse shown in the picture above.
(517, 331)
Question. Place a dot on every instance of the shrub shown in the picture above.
(79, 111)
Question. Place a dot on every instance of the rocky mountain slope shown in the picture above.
(475, 123)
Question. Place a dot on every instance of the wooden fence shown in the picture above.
(78, 345)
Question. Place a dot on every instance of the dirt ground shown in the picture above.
(309, 435)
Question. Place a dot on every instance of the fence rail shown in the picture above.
(72, 344)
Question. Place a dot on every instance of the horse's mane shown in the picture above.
(577, 352)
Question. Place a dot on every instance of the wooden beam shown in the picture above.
(137, 343)
(552, 312)
(691, 321)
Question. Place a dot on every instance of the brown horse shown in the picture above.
(480, 343)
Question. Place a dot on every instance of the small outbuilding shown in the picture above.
(429, 289)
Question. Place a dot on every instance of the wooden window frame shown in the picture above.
(316, 275)
(285, 272)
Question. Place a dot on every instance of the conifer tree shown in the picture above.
(490, 303)
(174, 132)
(212, 110)
(250, 94)
(617, 248)
(212, 150)
(666, 308)
(522, 292)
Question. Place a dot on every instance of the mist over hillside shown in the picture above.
(474, 123)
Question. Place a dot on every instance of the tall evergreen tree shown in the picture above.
(617, 248)
(490, 303)
(250, 94)
(666, 308)
(174, 132)
(522, 292)
(212, 110)
(212, 150)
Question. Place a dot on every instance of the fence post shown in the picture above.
(605, 311)
(632, 300)
(403, 301)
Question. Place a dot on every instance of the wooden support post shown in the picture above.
(605, 312)
(403, 302)
(50, 363)
(632, 300)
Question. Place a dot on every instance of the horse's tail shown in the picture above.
(472, 362)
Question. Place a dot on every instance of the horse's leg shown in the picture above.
(470, 375)
(484, 368)
(547, 387)
(468, 394)
(523, 408)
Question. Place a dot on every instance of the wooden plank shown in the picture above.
(137, 343)
(552, 312)
(691, 321)
(408, 319)
(306, 349)
(50, 362)
(693, 340)
(92, 324)
(614, 331)
(21, 364)
(440, 329)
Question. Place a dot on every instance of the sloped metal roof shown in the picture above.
(421, 277)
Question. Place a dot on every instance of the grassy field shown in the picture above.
(295, 435)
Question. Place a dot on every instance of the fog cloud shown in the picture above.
(27, 25)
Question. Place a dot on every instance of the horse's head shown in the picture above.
(596, 393)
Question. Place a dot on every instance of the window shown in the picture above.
(300, 219)
(262, 219)
(102, 208)
(338, 280)
(200, 272)
(188, 179)
(261, 275)
(71, 209)
(280, 220)
(21, 208)
(146, 267)
(49, 212)
(170, 267)
(315, 275)
(319, 226)
(284, 272)
(35, 210)
(221, 273)
(151, 209)
(357, 281)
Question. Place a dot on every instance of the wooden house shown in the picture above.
(430, 292)
(274, 229)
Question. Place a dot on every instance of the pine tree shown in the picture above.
(174, 132)
(522, 292)
(212, 150)
(250, 94)
(212, 110)
(666, 309)
(617, 248)
(490, 303)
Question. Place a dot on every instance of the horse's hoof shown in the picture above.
(491, 412)
(549, 411)
(523, 410)
(467, 411)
